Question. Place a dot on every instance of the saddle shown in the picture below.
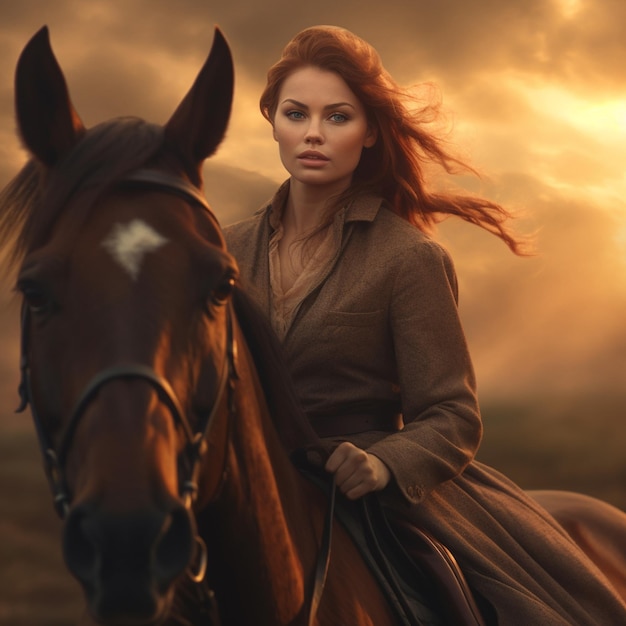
(425, 587)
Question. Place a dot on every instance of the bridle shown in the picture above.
(55, 459)
(195, 438)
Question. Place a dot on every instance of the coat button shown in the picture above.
(410, 491)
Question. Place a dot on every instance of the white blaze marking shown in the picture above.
(129, 243)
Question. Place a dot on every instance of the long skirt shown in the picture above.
(515, 555)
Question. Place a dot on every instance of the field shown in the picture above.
(35, 589)
(570, 443)
(575, 444)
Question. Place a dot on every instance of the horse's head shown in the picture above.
(126, 335)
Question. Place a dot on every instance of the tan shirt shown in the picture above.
(285, 304)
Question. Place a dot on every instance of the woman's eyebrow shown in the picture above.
(301, 105)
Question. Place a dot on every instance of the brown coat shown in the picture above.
(380, 333)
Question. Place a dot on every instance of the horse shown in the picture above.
(151, 410)
(160, 401)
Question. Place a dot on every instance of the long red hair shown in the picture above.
(394, 166)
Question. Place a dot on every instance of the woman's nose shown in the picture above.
(314, 133)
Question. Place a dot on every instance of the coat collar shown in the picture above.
(365, 208)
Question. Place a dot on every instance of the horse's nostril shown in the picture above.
(79, 549)
(98, 546)
(127, 563)
(175, 546)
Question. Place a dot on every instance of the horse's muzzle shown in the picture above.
(127, 562)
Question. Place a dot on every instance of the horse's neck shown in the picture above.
(270, 521)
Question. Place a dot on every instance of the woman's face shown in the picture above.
(321, 129)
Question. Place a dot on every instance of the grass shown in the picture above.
(35, 588)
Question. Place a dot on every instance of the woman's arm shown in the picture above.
(442, 420)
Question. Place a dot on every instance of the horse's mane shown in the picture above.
(31, 203)
(289, 418)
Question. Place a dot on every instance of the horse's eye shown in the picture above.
(223, 291)
(36, 298)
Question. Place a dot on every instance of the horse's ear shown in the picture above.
(198, 125)
(47, 121)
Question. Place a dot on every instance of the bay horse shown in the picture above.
(163, 410)
(153, 421)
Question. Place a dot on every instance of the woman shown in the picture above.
(364, 303)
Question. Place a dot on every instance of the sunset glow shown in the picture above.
(535, 94)
(606, 117)
(569, 8)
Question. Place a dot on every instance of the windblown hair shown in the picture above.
(394, 166)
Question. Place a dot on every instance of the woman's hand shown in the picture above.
(357, 472)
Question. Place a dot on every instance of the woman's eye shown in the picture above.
(295, 115)
(338, 118)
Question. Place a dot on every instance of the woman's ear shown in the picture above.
(370, 137)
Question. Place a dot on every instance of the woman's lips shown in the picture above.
(311, 157)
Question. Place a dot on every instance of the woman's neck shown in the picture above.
(305, 208)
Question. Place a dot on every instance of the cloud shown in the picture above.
(535, 91)
(552, 323)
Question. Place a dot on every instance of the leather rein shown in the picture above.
(195, 439)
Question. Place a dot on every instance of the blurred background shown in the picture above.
(534, 95)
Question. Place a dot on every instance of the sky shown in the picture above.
(534, 93)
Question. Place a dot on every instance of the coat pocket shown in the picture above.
(352, 318)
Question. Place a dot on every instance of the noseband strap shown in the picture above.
(122, 372)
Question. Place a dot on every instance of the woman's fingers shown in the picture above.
(357, 472)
